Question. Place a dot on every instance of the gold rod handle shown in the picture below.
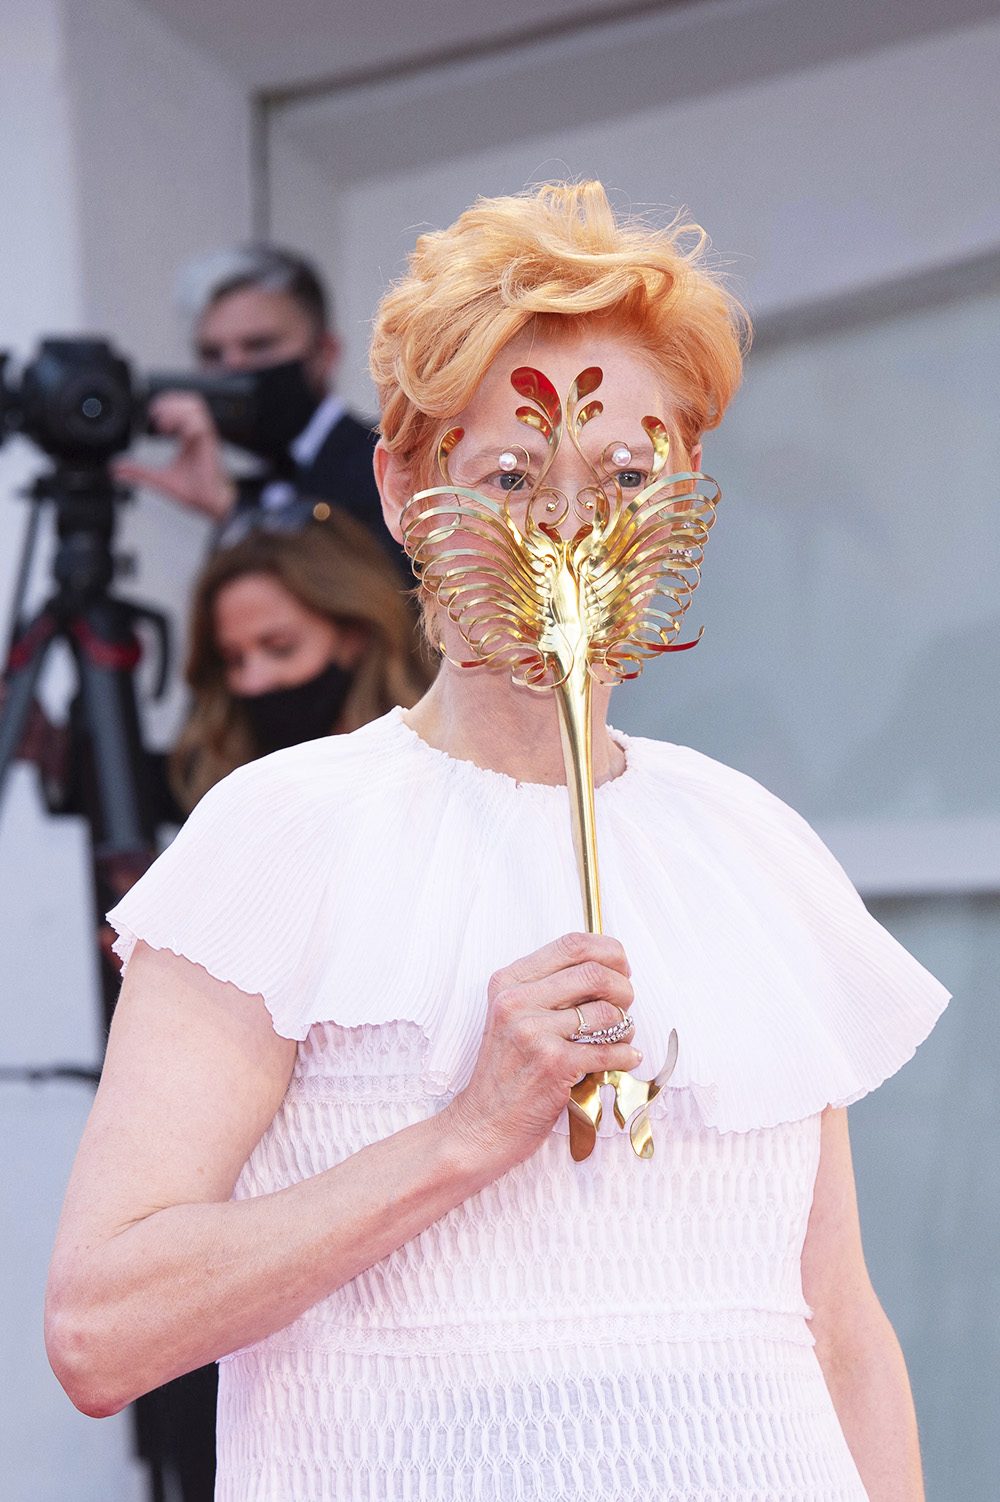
(632, 1096)
(574, 700)
(576, 729)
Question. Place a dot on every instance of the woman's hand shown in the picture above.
(527, 1063)
(196, 476)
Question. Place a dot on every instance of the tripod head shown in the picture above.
(86, 500)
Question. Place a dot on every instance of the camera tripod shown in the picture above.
(109, 771)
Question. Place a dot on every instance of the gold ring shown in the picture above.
(583, 1028)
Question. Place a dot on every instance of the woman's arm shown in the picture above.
(156, 1271)
(857, 1349)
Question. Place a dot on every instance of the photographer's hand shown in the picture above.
(196, 476)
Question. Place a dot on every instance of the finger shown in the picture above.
(163, 480)
(180, 401)
(181, 416)
(587, 1021)
(569, 950)
(573, 987)
(139, 474)
(598, 1058)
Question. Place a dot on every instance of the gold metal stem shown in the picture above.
(575, 725)
(632, 1096)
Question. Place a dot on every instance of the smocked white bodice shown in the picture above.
(703, 1240)
(611, 1330)
(605, 1330)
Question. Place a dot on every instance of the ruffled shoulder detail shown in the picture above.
(244, 889)
(368, 879)
(787, 995)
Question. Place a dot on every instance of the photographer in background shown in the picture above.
(259, 308)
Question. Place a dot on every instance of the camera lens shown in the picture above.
(89, 410)
(77, 400)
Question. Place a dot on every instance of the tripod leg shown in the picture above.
(23, 669)
(116, 789)
(105, 661)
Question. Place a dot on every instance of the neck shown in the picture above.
(478, 715)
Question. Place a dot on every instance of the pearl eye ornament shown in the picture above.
(621, 455)
(507, 462)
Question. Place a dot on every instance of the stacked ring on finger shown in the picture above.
(613, 1034)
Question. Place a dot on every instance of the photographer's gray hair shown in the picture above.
(214, 275)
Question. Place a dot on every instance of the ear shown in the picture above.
(696, 457)
(393, 483)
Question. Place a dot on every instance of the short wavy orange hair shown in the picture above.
(558, 258)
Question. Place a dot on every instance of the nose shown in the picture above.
(235, 360)
(254, 675)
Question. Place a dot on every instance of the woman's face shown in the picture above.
(629, 391)
(268, 639)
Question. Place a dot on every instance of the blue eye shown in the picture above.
(630, 479)
(511, 482)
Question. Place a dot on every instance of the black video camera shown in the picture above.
(78, 401)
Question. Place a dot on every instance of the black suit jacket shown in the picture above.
(341, 473)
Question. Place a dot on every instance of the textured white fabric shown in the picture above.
(608, 1330)
(613, 1330)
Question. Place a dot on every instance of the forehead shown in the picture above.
(630, 388)
(248, 309)
(253, 595)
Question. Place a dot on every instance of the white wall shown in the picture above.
(122, 152)
(161, 148)
(811, 184)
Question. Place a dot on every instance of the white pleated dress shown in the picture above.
(612, 1330)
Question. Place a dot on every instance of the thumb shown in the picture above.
(141, 474)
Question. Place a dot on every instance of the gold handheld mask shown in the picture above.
(563, 591)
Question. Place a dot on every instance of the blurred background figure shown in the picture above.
(293, 635)
(260, 308)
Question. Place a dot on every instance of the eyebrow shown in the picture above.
(489, 456)
(641, 452)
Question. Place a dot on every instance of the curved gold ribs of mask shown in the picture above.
(561, 592)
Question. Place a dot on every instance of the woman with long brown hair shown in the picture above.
(294, 635)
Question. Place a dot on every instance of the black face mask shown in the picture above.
(287, 716)
(282, 404)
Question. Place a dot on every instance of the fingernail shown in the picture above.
(638, 1056)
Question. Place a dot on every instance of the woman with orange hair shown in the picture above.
(330, 1145)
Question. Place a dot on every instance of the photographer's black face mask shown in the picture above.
(287, 716)
(284, 400)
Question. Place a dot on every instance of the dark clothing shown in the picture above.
(340, 473)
